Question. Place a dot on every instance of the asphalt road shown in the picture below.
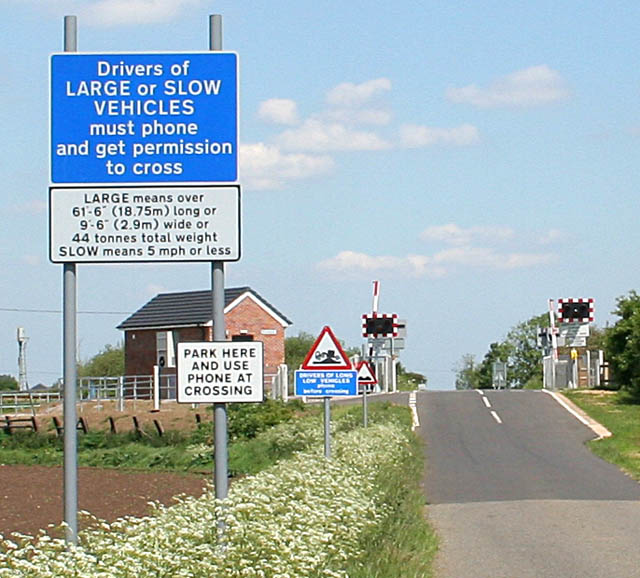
(515, 493)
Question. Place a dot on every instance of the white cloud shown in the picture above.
(352, 116)
(437, 265)
(356, 118)
(552, 236)
(354, 262)
(414, 136)
(533, 86)
(318, 136)
(352, 95)
(485, 258)
(107, 13)
(279, 111)
(265, 166)
(455, 235)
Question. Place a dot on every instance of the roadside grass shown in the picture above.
(405, 544)
(176, 450)
(401, 544)
(621, 416)
(259, 436)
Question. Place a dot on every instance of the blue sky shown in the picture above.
(477, 158)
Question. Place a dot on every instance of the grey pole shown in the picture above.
(221, 457)
(327, 427)
(365, 416)
(69, 363)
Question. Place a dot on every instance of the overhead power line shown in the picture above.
(20, 310)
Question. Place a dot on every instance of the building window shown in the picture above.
(165, 352)
(242, 337)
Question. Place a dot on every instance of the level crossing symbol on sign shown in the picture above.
(365, 374)
(326, 353)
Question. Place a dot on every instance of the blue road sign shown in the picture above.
(326, 383)
(144, 117)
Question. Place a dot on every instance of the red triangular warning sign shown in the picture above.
(326, 353)
(365, 374)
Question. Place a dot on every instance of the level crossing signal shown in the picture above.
(379, 326)
(575, 310)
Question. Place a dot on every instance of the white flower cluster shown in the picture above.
(305, 516)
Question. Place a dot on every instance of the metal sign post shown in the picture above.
(220, 437)
(554, 343)
(366, 377)
(69, 355)
(175, 222)
(327, 427)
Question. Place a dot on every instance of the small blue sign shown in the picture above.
(326, 383)
(144, 117)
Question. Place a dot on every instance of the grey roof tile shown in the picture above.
(186, 308)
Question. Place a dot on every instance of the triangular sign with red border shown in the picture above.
(326, 353)
(365, 374)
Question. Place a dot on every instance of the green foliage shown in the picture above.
(519, 350)
(525, 359)
(466, 372)
(620, 414)
(622, 344)
(306, 516)
(108, 363)
(246, 420)
(404, 544)
(497, 352)
(409, 380)
(296, 349)
(254, 442)
(8, 383)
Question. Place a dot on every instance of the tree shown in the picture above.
(8, 383)
(502, 351)
(296, 349)
(525, 359)
(466, 372)
(519, 350)
(107, 363)
(622, 344)
(409, 380)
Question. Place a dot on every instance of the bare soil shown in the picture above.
(172, 416)
(31, 497)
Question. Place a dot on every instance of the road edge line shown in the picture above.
(573, 409)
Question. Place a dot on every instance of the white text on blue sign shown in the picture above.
(144, 117)
(326, 383)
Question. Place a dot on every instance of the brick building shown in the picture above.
(151, 333)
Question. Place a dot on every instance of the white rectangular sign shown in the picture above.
(143, 224)
(220, 372)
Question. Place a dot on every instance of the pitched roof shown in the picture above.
(189, 308)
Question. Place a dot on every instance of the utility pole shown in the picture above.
(22, 359)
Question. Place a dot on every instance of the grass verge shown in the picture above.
(621, 417)
(358, 514)
(404, 544)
